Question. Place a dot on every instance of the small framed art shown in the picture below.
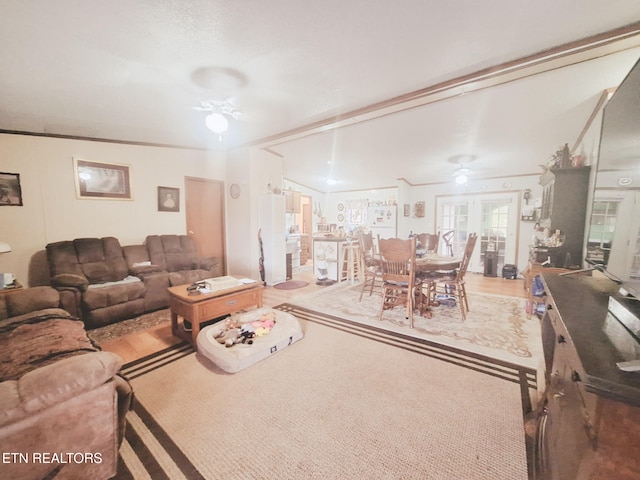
(10, 190)
(168, 199)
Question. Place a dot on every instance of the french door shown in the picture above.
(493, 216)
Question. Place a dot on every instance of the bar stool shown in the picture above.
(351, 265)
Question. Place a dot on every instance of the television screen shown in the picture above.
(613, 242)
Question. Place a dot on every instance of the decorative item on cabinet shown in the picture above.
(419, 209)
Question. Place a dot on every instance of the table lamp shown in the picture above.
(4, 247)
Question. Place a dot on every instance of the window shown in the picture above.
(603, 225)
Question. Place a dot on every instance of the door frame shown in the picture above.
(515, 195)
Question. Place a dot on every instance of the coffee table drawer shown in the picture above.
(213, 308)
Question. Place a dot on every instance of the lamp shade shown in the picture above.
(4, 247)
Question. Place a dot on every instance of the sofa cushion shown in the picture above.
(101, 259)
(63, 259)
(112, 293)
(172, 252)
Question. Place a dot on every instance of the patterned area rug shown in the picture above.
(399, 408)
(496, 326)
(126, 327)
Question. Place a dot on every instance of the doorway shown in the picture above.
(204, 204)
(493, 216)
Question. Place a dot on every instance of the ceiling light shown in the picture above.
(217, 123)
(625, 181)
(331, 181)
(461, 179)
(217, 120)
(461, 175)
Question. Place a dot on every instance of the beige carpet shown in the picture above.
(340, 404)
(495, 326)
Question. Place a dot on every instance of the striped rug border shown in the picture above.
(509, 371)
(165, 461)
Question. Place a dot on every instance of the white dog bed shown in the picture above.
(238, 357)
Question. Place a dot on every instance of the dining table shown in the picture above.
(431, 262)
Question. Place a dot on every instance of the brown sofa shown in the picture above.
(102, 282)
(58, 393)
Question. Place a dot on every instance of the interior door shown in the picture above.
(204, 200)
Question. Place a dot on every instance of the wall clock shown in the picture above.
(234, 190)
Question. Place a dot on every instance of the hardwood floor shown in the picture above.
(140, 344)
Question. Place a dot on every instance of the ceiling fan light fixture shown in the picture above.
(217, 123)
(461, 176)
(461, 179)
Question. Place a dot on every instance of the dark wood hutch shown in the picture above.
(564, 205)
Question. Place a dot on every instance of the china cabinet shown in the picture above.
(564, 205)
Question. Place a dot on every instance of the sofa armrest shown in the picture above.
(55, 383)
(70, 280)
(141, 270)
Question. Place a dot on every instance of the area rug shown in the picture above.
(291, 285)
(496, 326)
(126, 327)
(340, 404)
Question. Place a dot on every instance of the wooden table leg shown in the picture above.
(195, 330)
(174, 324)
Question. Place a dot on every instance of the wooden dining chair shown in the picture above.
(447, 237)
(453, 284)
(400, 287)
(428, 242)
(370, 261)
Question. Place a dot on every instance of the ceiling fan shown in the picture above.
(219, 110)
(461, 174)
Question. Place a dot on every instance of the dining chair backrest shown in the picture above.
(397, 257)
(447, 237)
(367, 248)
(466, 257)
(429, 241)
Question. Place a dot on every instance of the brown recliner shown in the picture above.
(93, 280)
(178, 255)
(58, 392)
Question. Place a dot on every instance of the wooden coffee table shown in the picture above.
(200, 307)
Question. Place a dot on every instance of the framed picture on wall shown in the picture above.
(10, 191)
(102, 180)
(168, 199)
(407, 210)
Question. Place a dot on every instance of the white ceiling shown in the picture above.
(338, 88)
